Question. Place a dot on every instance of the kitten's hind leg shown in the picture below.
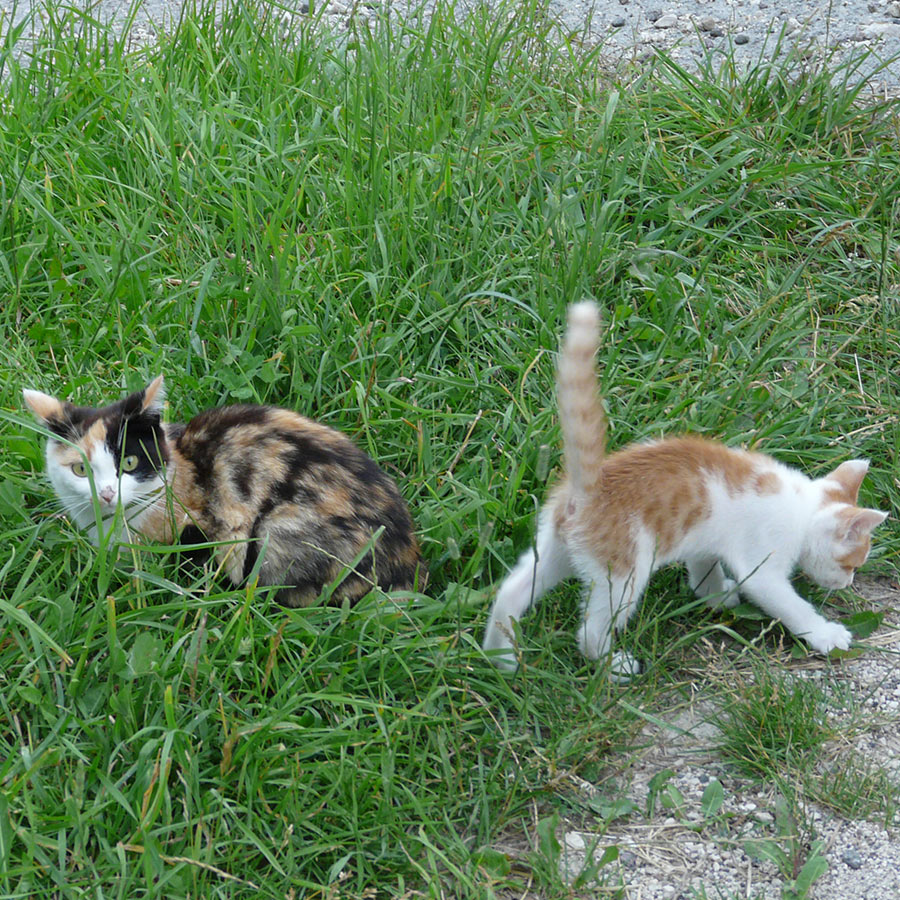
(610, 603)
(537, 570)
(708, 580)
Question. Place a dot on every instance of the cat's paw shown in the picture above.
(623, 667)
(827, 637)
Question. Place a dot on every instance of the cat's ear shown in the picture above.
(849, 476)
(154, 396)
(860, 523)
(45, 408)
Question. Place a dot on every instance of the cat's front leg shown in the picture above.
(708, 581)
(775, 595)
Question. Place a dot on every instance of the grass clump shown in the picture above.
(772, 722)
(382, 228)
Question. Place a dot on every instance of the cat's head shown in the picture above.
(840, 535)
(113, 455)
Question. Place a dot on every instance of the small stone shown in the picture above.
(741, 39)
(707, 23)
(793, 24)
(717, 32)
(627, 858)
(653, 15)
(894, 9)
(667, 21)
(618, 22)
(880, 29)
(574, 841)
(852, 858)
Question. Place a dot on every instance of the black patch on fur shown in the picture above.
(202, 438)
(305, 452)
(242, 479)
(366, 470)
(252, 554)
(175, 431)
(192, 561)
(139, 435)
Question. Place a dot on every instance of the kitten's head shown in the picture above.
(841, 532)
(121, 449)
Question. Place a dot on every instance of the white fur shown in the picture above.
(759, 539)
(83, 500)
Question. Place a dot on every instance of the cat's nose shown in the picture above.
(108, 494)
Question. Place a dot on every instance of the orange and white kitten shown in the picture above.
(741, 522)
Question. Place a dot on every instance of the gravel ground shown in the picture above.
(633, 29)
(678, 854)
(690, 28)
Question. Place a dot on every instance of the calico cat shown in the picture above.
(265, 482)
(613, 520)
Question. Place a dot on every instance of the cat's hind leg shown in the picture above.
(709, 581)
(537, 571)
(610, 603)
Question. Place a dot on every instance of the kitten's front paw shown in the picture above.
(829, 636)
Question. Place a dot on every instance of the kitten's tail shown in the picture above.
(580, 409)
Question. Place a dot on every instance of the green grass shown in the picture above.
(383, 229)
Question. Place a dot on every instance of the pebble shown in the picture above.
(894, 10)
(574, 840)
(667, 21)
(653, 15)
(618, 22)
(707, 23)
(741, 39)
(852, 858)
(879, 29)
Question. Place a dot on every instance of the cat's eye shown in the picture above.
(80, 469)
(129, 463)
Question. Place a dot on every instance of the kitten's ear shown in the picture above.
(154, 396)
(44, 407)
(849, 476)
(860, 523)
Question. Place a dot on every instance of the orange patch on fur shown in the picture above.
(766, 483)
(95, 435)
(846, 479)
(661, 487)
(856, 557)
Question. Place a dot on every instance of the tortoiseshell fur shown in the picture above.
(262, 481)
